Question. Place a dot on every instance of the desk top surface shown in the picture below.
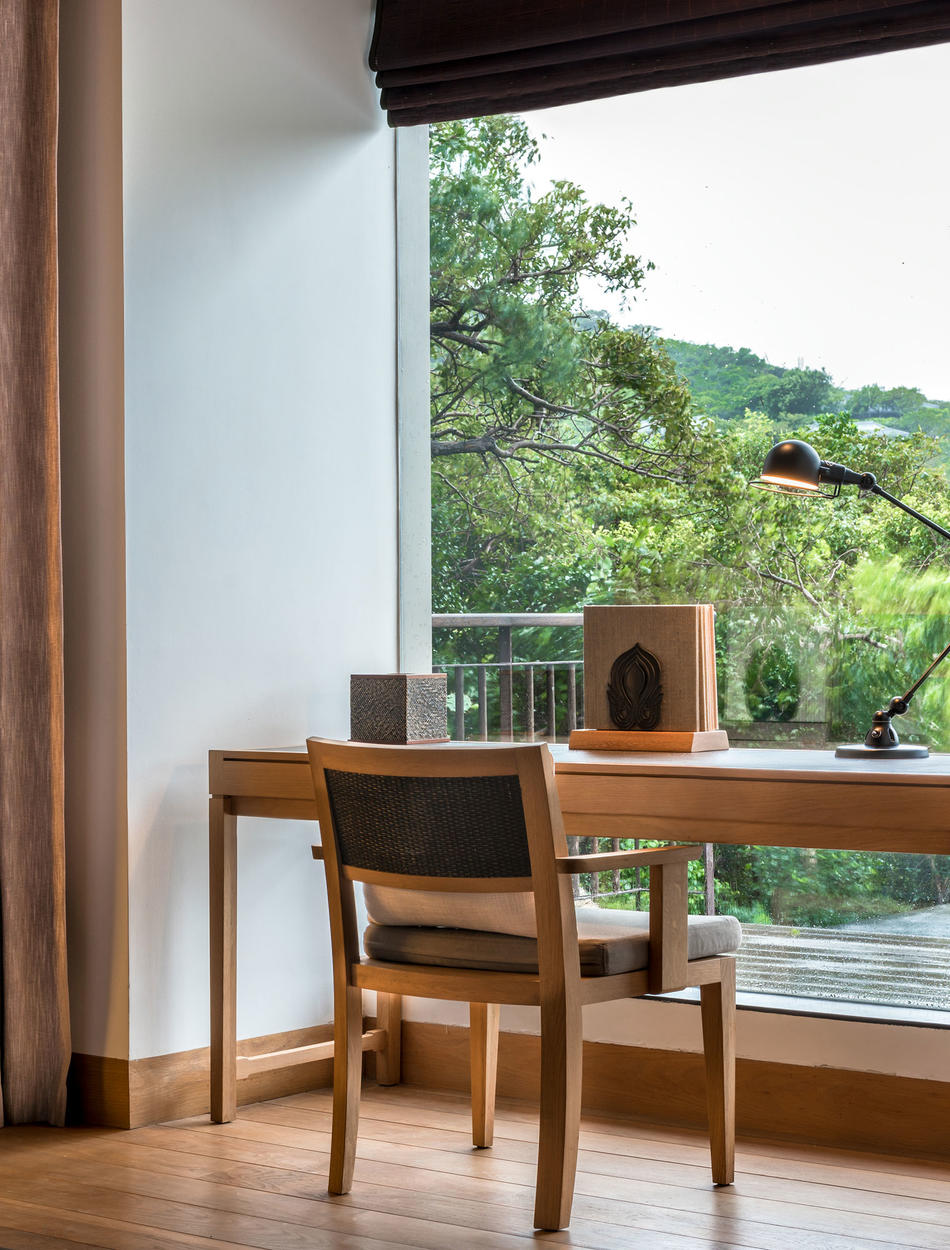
(758, 762)
(738, 762)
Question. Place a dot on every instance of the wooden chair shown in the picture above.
(486, 820)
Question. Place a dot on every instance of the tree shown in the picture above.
(520, 372)
(793, 391)
(874, 401)
(534, 398)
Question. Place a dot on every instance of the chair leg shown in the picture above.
(389, 1059)
(561, 1059)
(719, 1047)
(483, 1038)
(347, 1077)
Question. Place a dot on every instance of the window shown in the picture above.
(607, 376)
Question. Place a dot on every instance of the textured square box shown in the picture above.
(398, 708)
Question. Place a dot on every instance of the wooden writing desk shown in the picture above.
(762, 797)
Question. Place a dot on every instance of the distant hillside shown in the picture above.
(725, 381)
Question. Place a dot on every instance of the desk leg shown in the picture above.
(222, 846)
(389, 1059)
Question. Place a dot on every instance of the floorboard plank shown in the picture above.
(53, 1228)
(490, 1166)
(623, 1125)
(17, 1239)
(260, 1181)
(625, 1166)
(383, 1187)
(647, 1145)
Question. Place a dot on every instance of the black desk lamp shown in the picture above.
(795, 468)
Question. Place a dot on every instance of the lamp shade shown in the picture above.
(793, 467)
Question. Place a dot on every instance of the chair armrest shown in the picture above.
(669, 905)
(604, 861)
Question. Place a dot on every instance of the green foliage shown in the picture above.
(772, 683)
(534, 401)
(725, 382)
(873, 401)
(794, 391)
(903, 408)
(784, 885)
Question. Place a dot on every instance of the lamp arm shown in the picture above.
(796, 468)
(905, 507)
(837, 475)
(882, 731)
(905, 699)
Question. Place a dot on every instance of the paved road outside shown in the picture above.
(870, 963)
(928, 922)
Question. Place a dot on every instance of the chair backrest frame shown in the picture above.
(533, 766)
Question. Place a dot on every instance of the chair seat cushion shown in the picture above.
(610, 942)
(499, 913)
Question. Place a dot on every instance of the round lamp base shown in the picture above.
(858, 751)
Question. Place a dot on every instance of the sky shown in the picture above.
(803, 214)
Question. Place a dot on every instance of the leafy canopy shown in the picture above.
(520, 372)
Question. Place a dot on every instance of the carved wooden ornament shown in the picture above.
(634, 693)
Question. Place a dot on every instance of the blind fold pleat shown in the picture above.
(437, 60)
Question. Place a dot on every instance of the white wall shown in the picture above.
(229, 368)
(260, 465)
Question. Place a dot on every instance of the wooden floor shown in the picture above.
(261, 1182)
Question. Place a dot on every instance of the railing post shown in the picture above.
(552, 705)
(709, 863)
(505, 692)
(459, 703)
(529, 702)
(571, 698)
(482, 703)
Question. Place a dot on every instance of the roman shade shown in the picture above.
(437, 60)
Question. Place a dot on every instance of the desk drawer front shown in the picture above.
(263, 779)
(856, 816)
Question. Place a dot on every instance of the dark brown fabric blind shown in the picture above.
(442, 59)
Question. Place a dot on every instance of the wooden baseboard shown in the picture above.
(819, 1106)
(97, 1091)
(122, 1093)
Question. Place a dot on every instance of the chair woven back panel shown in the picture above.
(430, 826)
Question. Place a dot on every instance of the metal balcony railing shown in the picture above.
(503, 695)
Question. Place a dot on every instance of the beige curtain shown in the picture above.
(34, 1020)
(441, 59)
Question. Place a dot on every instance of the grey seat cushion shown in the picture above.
(610, 941)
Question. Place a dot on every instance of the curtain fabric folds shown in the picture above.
(34, 1020)
(437, 60)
